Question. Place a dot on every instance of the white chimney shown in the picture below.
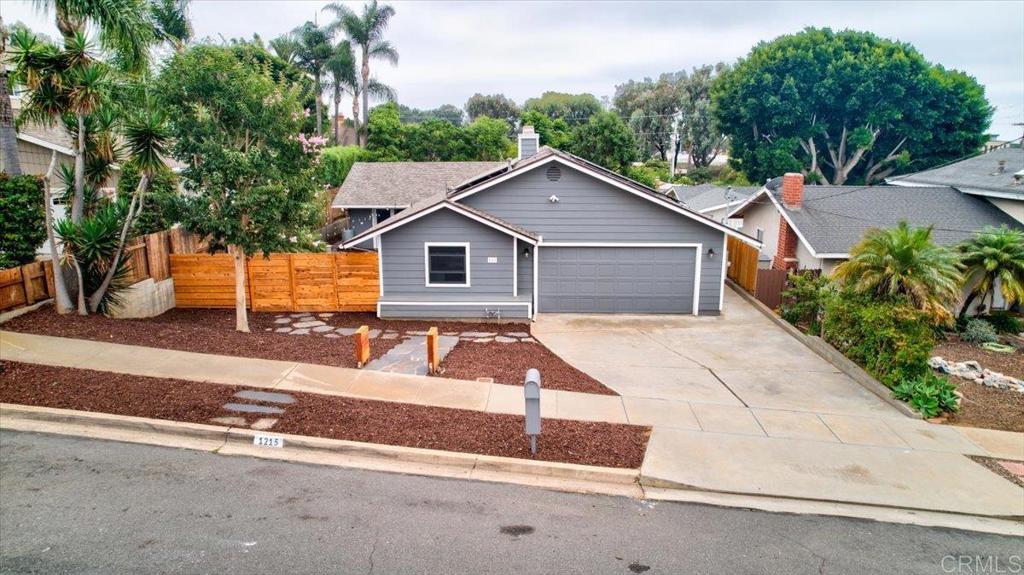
(529, 142)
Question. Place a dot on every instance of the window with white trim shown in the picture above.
(447, 264)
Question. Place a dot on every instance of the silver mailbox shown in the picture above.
(531, 392)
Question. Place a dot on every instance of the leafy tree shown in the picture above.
(124, 26)
(606, 140)
(335, 163)
(845, 107)
(446, 112)
(285, 47)
(904, 262)
(699, 133)
(249, 170)
(497, 106)
(435, 141)
(488, 139)
(163, 206)
(554, 133)
(993, 254)
(385, 136)
(22, 225)
(650, 108)
(366, 31)
(575, 109)
(170, 22)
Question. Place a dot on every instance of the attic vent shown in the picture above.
(554, 173)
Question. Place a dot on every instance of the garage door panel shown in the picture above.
(617, 280)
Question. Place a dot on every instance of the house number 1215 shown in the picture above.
(267, 441)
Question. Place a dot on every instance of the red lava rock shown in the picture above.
(507, 363)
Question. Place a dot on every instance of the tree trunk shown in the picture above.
(319, 114)
(366, 95)
(355, 116)
(82, 309)
(78, 203)
(967, 304)
(97, 296)
(334, 118)
(8, 135)
(241, 316)
(61, 298)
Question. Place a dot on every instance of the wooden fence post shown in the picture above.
(433, 357)
(362, 345)
(26, 283)
(48, 272)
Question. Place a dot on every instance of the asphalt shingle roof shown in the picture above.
(980, 173)
(834, 218)
(705, 196)
(401, 184)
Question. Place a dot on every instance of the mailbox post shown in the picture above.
(531, 391)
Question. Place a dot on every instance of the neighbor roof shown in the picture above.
(833, 219)
(978, 175)
(402, 184)
(707, 196)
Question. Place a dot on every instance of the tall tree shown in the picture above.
(447, 112)
(171, 23)
(993, 259)
(845, 107)
(124, 26)
(699, 133)
(314, 50)
(650, 108)
(285, 47)
(343, 79)
(8, 133)
(575, 109)
(555, 133)
(366, 31)
(497, 106)
(606, 140)
(248, 166)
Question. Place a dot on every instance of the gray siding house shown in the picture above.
(546, 232)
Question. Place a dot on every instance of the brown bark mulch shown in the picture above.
(507, 363)
(984, 406)
(587, 443)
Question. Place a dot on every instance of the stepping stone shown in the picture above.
(298, 315)
(264, 423)
(467, 339)
(517, 334)
(373, 333)
(416, 333)
(237, 421)
(283, 320)
(272, 397)
(248, 408)
(312, 323)
(477, 334)
(323, 328)
(503, 339)
(269, 329)
(389, 336)
(529, 340)
(484, 340)
(283, 329)
(325, 315)
(302, 331)
(346, 330)
(450, 333)
(332, 335)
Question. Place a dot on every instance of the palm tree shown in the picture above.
(8, 134)
(170, 22)
(341, 68)
(993, 255)
(904, 261)
(124, 26)
(285, 47)
(367, 32)
(314, 49)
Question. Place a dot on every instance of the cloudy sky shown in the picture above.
(450, 50)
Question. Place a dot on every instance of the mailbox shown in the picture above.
(531, 392)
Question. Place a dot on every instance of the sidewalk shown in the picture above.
(883, 461)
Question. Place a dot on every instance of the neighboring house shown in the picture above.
(712, 200)
(997, 176)
(548, 232)
(814, 227)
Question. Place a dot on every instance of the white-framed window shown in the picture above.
(446, 263)
(759, 234)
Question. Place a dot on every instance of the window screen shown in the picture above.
(447, 264)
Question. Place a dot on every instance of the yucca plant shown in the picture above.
(904, 261)
(994, 255)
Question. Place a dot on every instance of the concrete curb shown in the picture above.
(9, 315)
(323, 451)
(830, 354)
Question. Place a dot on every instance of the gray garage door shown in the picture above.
(617, 280)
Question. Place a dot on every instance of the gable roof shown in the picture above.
(402, 184)
(704, 197)
(977, 175)
(833, 219)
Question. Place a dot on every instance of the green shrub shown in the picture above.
(336, 162)
(804, 300)
(163, 205)
(22, 224)
(643, 174)
(890, 339)
(979, 331)
(1004, 322)
(929, 394)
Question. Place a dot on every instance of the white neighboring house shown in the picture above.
(712, 200)
(996, 175)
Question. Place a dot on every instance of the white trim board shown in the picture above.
(389, 207)
(558, 244)
(45, 144)
(426, 263)
(386, 227)
(789, 221)
(529, 306)
(649, 196)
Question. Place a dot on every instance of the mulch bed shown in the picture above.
(984, 406)
(588, 443)
(507, 363)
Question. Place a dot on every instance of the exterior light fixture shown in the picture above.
(711, 253)
(526, 253)
(553, 199)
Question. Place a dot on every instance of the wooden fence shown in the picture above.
(770, 285)
(346, 281)
(148, 256)
(742, 264)
(25, 285)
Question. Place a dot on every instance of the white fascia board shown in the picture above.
(455, 208)
(48, 145)
(379, 207)
(796, 230)
(991, 193)
(748, 201)
(619, 245)
(655, 197)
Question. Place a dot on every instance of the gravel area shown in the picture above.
(588, 443)
(507, 363)
(984, 406)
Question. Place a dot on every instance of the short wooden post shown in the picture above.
(48, 272)
(362, 345)
(433, 357)
(26, 283)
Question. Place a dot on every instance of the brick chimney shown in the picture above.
(529, 142)
(785, 253)
(793, 190)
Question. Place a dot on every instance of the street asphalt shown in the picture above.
(73, 505)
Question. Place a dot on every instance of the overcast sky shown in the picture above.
(450, 50)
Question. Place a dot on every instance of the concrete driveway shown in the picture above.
(738, 359)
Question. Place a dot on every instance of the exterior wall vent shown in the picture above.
(554, 173)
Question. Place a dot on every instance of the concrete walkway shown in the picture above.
(886, 459)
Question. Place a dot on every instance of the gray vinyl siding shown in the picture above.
(403, 262)
(527, 147)
(474, 311)
(589, 210)
(361, 220)
(525, 269)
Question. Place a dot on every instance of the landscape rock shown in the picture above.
(973, 371)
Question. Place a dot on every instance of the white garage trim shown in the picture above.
(529, 306)
(619, 245)
(515, 266)
(725, 264)
(536, 269)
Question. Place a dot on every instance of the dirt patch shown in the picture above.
(994, 467)
(984, 406)
(507, 363)
(588, 443)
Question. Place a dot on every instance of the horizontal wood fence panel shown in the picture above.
(26, 284)
(280, 282)
(742, 264)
